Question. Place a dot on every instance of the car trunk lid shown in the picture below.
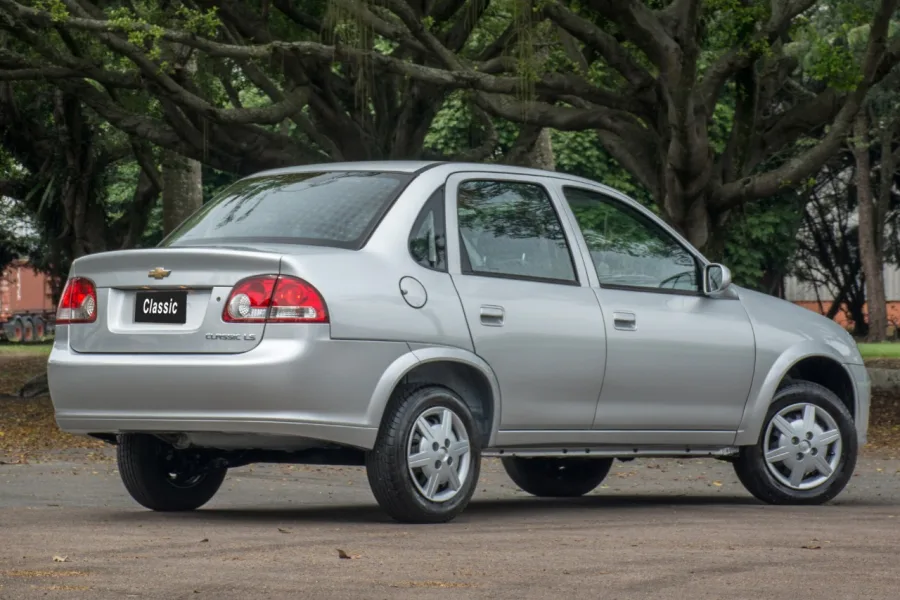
(168, 300)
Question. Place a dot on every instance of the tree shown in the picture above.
(873, 205)
(58, 160)
(646, 76)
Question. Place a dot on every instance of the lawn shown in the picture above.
(883, 350)
(26, 349)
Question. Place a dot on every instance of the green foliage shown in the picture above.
(581, 153)
(761, 239)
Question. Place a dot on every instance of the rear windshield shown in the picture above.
(334, 208)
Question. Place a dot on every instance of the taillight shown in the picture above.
(274, 299)
(78, 303)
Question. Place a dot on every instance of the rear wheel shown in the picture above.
(426, 460)
(557, 477)
(807, 448)
(161, 478)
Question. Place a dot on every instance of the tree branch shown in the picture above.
(594, 37)
(783, 13)
(875, 67)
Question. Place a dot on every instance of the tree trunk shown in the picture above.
(182, 177)
(182, 189)
(873, 268)
(541, 154)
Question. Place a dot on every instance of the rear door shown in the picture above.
(531, 316)
(168, 300)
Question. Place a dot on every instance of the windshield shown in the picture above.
(334, 208)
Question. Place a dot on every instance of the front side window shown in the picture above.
(510, 229)
(334, 208)
(428, 238)
(627, 248)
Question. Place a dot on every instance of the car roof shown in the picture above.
(395, 166)
(420, 166)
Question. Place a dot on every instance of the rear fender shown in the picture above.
(402, 366)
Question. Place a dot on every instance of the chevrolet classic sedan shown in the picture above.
(415, 317)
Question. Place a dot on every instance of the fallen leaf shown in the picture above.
(60, 559)
(717, 483)
(204, 540)
(286, 531)
(342, 554)
(811, 547)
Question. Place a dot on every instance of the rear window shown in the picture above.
(334, 208)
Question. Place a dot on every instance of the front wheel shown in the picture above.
(807, 448)
(557, 477)
(161, 478)
(427, 457)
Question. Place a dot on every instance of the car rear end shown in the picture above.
(209, 334)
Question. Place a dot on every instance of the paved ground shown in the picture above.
(657, 530)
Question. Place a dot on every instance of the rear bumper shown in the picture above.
(311, 387)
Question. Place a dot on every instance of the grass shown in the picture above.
(7, 348)
(883, 350)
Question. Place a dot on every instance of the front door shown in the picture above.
(532, 315)
(676, 360)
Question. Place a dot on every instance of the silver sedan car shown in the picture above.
(414, 317)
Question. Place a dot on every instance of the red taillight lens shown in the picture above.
(78, 303)
(274, 299)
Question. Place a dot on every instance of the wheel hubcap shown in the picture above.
(438, 455)
(180, 471)
(803, 446)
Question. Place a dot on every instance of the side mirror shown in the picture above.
(716, 278)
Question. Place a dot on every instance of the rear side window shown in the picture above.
(428, 238)
(336, 208)
(510, 229)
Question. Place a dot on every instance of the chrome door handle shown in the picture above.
(625, 321)
(492, 316)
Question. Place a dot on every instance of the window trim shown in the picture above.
(631, 210)
(439, 196)
(465, 265)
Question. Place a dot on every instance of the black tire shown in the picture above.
(145, 463)
(28, 326)
(40, 329)
(753, 471)
(386, 464)
(15, 331)
(557, 477)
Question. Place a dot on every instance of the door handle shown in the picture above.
(625, 321)
(492, 316)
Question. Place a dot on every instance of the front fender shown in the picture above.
(766, 381)
(422, 354)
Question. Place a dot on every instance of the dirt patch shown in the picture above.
(883, 363)
(16, 369)
(884, 423)
(28, 430)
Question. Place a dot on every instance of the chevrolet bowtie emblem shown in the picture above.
(158, 273)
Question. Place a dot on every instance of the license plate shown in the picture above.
(160, 307)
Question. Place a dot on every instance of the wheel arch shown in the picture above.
(808, 361)
(459, 370)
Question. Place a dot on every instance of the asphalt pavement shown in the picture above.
(665, 530)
